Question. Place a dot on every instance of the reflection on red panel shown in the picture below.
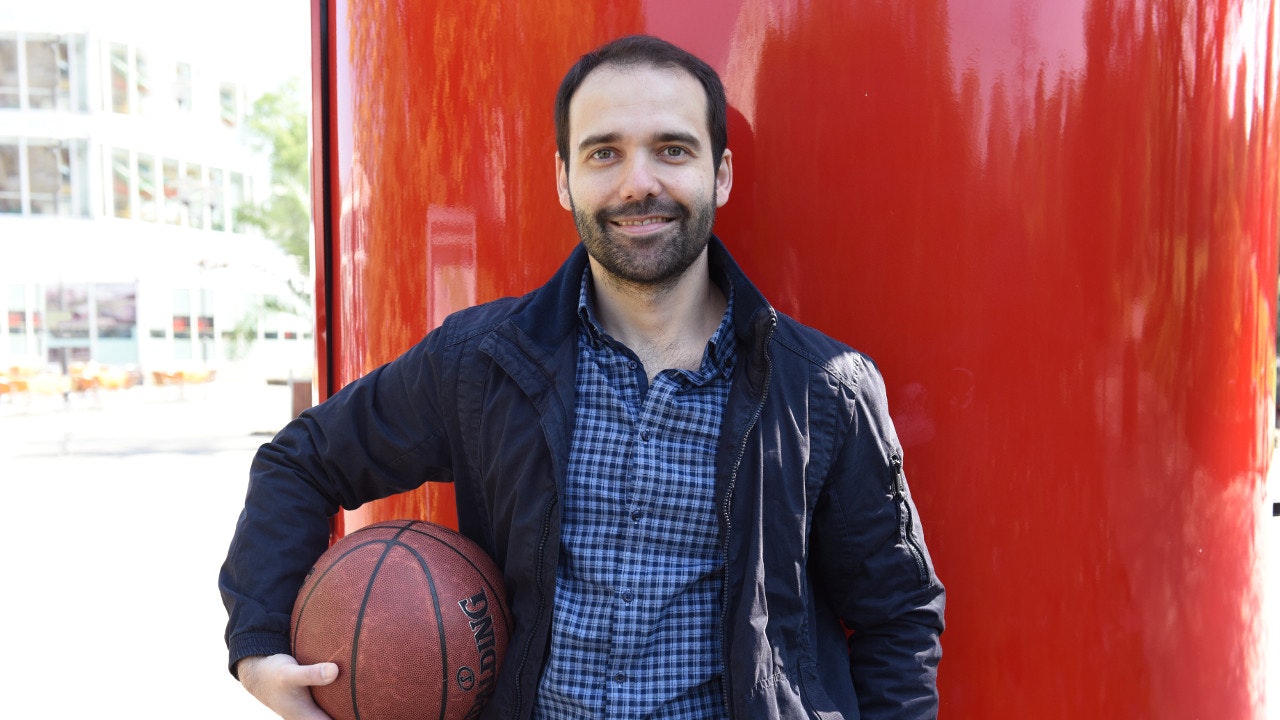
(1053, 223)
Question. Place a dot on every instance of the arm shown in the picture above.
(380, 435)
(874, 567)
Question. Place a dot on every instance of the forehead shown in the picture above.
(637, 99)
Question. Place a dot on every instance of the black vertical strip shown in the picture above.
(324, 124)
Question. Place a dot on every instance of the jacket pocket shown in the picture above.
(816, 700)
(906, 519)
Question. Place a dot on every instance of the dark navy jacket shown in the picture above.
(817, 526)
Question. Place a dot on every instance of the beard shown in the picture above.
(656, 261)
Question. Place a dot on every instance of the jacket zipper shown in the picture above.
(728, 501)
(906, 518)
(542, 605)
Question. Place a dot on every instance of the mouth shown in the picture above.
(641, 223)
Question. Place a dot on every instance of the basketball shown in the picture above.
(415, 616)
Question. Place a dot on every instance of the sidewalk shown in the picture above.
(120, 508)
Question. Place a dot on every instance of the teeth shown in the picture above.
(646, 221)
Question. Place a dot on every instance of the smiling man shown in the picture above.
(693, 498)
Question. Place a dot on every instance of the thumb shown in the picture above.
(318, 674)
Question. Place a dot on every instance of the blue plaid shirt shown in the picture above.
(638, 588)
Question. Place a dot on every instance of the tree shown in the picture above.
(277, 125)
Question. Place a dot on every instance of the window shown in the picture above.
(73, 172)
(172, 199)
(148, 209)
(228, 101)
(119, 78)
(217, 212)
(10, 93)
(182, 314)
(10, 178)
(236, 201)
(120, 174)
(48, 74)
(117, 309)
(49, 177)
(194, 196)
(142, 83)
(44, 177)
(182, 87)
(17, 309)
(36, 72)
(68, 310)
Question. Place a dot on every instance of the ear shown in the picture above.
(562, 183)
(724, 178)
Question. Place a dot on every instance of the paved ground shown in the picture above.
(118, 511)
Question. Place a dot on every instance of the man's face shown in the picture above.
(640, 179)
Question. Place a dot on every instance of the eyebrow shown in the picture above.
(662, 137)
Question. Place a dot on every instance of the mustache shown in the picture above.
(648, 206)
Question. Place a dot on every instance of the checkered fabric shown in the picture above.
(638, 587)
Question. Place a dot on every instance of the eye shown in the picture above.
(674, 151)
(602, 154)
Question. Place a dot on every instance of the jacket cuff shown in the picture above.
(254, 644)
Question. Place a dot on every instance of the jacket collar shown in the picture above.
(550, 317)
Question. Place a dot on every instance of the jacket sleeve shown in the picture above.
(378, 436)
(873, 563)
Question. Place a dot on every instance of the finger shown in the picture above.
(299, 706)
(318, 674)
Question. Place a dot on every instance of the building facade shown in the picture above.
(124, 169)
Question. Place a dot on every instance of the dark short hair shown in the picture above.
(645, 50)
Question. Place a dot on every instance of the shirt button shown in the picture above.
(631, 364)
(628, 596)
(635, 516)
(620, 677)
(644, 435)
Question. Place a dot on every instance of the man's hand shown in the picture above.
(280, 683)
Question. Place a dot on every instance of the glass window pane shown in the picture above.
(148, 207)
(120, 182)
(182, 322)
(75, 191)
(67, 307)
(8, 72)
(77, 74)
(119, 78)
(117, 309)
(227, 98)
(46, 164)
(182, 87)
(17, 312)
(236, 201)
(48, 82)
(181, 301)
(172, 199)
(142, 82)
(217, 210)
(10, 178)
(194, 196)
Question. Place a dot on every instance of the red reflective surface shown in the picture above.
(1053, 224)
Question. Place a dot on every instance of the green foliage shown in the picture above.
(277, 125)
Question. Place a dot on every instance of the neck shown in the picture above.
(668, 325)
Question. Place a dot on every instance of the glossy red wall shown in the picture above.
(1053, 223)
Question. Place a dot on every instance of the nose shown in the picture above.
(639, 180)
